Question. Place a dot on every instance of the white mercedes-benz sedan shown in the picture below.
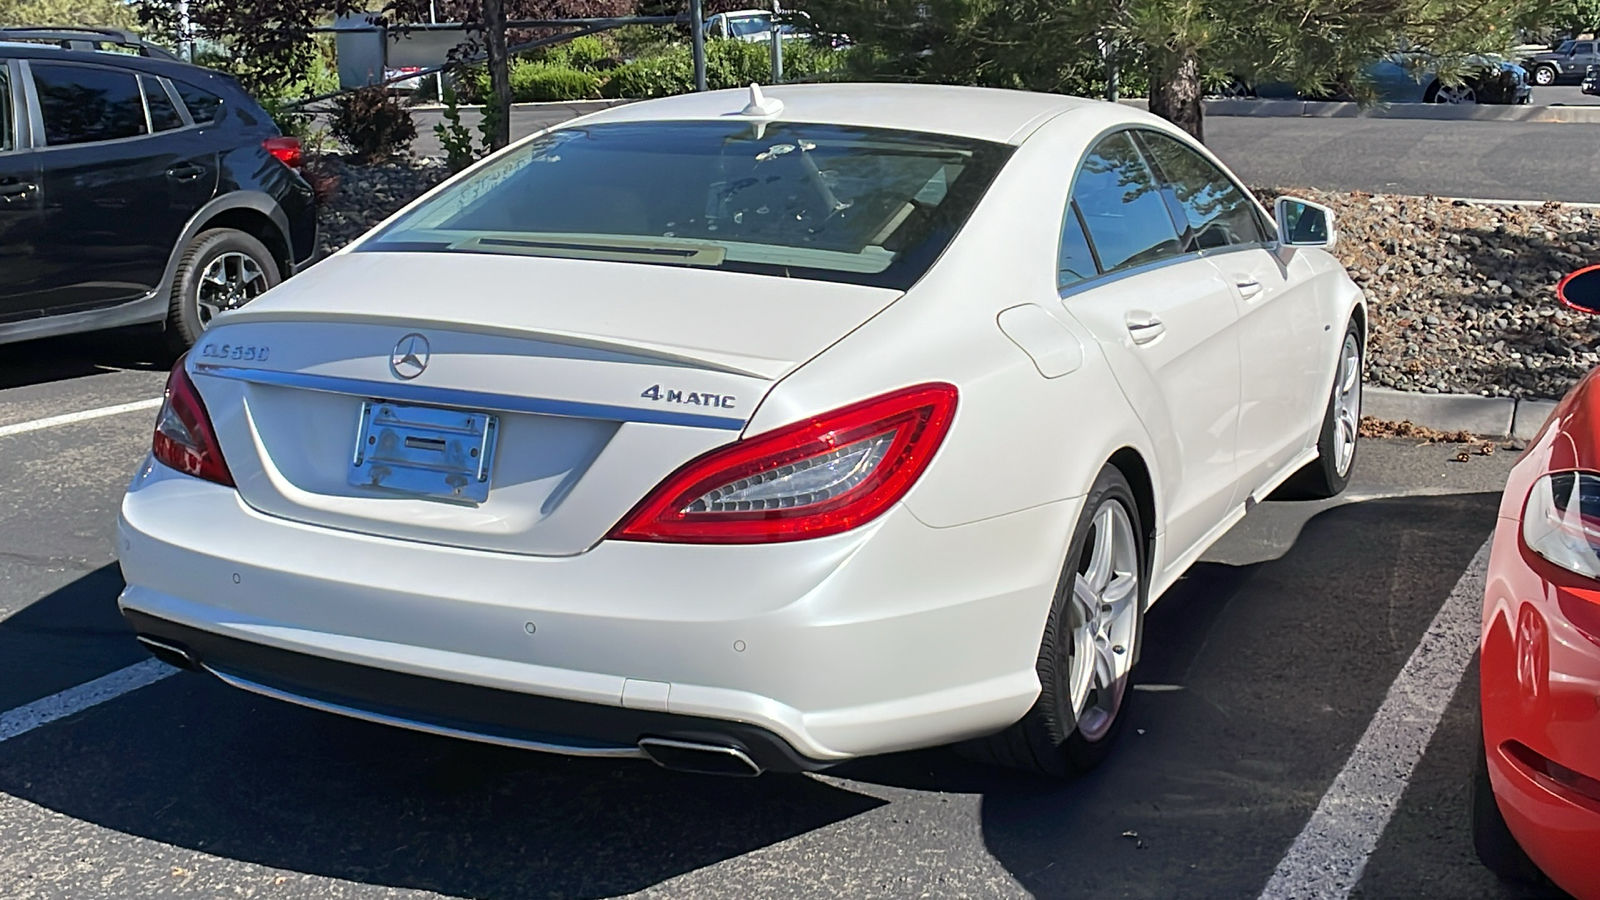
(752, 432)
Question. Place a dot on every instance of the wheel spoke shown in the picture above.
(1118, 593)
(1105, 665)
(1086, 600)
(1100, 555)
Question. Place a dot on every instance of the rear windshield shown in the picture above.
(832, 203)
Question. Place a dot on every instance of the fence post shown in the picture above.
(697, 28)
(777, 45)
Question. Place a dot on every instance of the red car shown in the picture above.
(1536, 798)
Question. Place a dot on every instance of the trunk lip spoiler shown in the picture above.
(409, 392)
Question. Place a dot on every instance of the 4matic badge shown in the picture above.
(654, 392)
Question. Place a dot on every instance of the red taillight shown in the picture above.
(820, 476)
(184, 439)
(286, 149)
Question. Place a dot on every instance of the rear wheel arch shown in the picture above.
(258, 225)
(1130, 462)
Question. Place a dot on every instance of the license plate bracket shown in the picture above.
(424, 451)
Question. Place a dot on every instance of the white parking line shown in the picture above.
(24, 719)
(1328, 857)
(86, 415)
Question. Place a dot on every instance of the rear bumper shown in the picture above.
(454, 709)
(893, 636)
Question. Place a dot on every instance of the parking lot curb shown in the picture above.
(1497, 417)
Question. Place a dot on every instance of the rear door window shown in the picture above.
(203, 105)
(1122, 206)
(1075, 261)
(163, 115)
(83, 104)
(1217, 211)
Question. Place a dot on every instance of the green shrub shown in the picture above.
(533, 82)
(587, 52)
(657, 76)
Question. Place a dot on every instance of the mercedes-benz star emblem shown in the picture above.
(410, 357)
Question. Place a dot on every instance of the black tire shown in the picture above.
(1048, 741)
(1496, 846)
(185, 319)
(1321, 478)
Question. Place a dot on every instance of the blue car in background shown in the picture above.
(1409, 78)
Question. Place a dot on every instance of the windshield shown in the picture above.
(827, 202)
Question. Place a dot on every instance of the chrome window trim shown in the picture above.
(426, 395)
(144, 103)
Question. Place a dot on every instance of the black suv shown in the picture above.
(136, 188)
(1565, 64)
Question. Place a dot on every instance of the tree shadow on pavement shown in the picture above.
(192, 763)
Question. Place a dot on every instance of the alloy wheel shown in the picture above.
(228, 282)
(1347, 405)
(1104, 619)
(1544, 76)
(1455, 94)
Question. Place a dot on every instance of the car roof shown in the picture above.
(990, 114)
(151, 64)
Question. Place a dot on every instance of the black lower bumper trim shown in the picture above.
(470, 709)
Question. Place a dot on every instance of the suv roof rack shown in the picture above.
(88, 39)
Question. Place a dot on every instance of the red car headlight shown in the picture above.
(1561, 521)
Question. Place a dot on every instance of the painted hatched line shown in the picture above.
(24, 719)
(1328, 857)
(86, 415)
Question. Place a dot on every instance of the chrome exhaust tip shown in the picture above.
(170, 652)
(702, 759)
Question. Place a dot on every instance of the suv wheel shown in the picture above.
(1544, 75)
(221, 269)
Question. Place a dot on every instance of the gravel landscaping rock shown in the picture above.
(366, 195)
(1462, 296)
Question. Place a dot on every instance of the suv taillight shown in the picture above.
(184, 439)
(817, 477)
(286, 149)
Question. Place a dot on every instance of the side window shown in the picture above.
(80, 104)
(203, 104)
(8, 139)
(163, 115)
(1075, 261)
(1218, 213)
(1584, 49)
(1122, 206)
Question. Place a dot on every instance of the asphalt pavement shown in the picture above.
(1262, 670)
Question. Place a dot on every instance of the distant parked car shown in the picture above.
(1566, 64)
(136, 188)
(755, 26)
(1408, 78)
(404, 85)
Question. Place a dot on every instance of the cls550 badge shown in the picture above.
(721, 401)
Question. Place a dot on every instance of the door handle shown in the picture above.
(1249, 288)
(16, 190)
(187, 172)
(1144, 328)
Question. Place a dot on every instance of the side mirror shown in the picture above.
(1302, 223)
(1581, 290)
